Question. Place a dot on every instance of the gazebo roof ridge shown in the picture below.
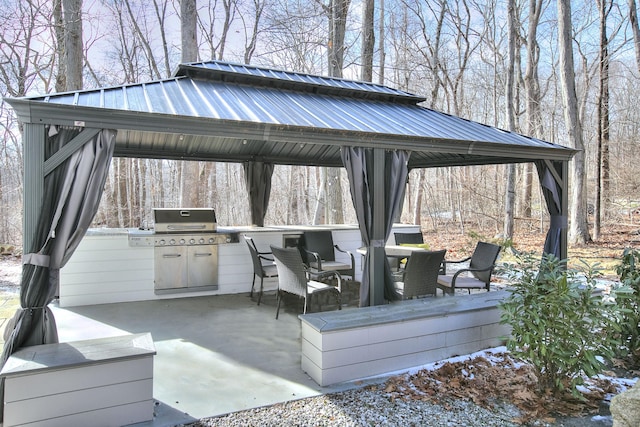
(297, 81)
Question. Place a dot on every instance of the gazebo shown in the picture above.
(218, 111)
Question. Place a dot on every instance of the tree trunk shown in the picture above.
(58, 22)
(578, 230)
(337, 29)
(73, 46)
(533, 98)
(635, 27)
(333, 186)
(510, 196)
(188, 25)
(381, 49)
(368, 40)
(601, 190)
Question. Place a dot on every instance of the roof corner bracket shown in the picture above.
(68, 149)
(266, 132)
(472, 144)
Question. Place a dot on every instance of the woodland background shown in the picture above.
(566, 72)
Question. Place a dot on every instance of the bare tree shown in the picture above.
(73, 43)
(251, 35)
(381, 46)
(602, 151)
(368, 40)
(510, 197)
(533, 96)
(578, 230)
(189, 180)
(635, 27)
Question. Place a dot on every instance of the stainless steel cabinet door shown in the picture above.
(203, 266)
(170, 267)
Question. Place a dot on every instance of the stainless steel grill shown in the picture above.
(186, 250)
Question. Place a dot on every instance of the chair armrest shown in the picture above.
(316, 256)
(454, 262)
(353, 261)
(443, 269)
(264, 257)
(465, 270)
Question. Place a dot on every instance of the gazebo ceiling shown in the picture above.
(218, 111)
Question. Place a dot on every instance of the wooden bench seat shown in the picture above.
(99, 382)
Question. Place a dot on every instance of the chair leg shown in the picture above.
(260, 295)
(339, 299)
(279, 297)
(253, 282)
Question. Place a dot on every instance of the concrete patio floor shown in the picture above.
(215, 354)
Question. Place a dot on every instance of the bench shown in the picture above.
(105, 382)
(341, 346)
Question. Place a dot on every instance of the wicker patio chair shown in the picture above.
(318, 252)
(420, 276)
(260, 269)
(481, 265)
(293, 277)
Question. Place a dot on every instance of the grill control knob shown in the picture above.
(182, 241)
(201, 241)
(162, 242)
(192, 241)
(172, 241)
(212, 240)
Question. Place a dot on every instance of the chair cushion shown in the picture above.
(270, 270)
(462, 282)
(331, 265)
(314, 287)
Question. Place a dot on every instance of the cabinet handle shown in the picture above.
(171, 256)
(203, 254)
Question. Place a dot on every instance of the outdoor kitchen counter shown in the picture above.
(107, 268)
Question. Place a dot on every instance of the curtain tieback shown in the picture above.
(32, 309)
(36, 259)
(558, 221)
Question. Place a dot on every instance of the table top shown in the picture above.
(395, 250)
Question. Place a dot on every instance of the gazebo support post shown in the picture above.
(377, 260)
(33, 142)
(564, 184)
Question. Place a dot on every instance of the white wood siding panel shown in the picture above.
(65, 380)
(105, 269)
(108, 417)
(338, 347)
(74, 402)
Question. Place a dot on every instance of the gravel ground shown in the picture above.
(364, 407)
(372, 407)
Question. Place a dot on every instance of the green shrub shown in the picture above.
(627, 298)
(557, 322)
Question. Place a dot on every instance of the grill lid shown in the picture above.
(184, 220)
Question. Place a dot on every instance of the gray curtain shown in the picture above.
(358, 162)
(257, 176)
(552, 191)
(71, 196)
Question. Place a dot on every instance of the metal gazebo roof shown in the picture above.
(219, 111)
